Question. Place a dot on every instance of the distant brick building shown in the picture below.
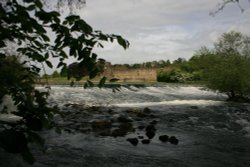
(128, 75)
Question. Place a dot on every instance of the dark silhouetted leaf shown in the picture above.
(102, 82)
(122, 42)
(49, 64)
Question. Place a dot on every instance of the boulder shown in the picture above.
(150, 134)
(133, 141)
(126, 127)
(145, 141)
(150, 128)
(154, 122)
(163, 138)
(101, 124)
(118, 133)
(147, 110)
(141, 127)
(193, 107)
(105, 132)
(141, 115)
(124, 119)
(173, 140)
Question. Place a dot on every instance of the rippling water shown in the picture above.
(211, 132)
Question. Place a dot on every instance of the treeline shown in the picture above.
(180, 70)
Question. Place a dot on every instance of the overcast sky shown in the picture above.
(162, 29)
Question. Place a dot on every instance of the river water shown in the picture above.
(211, 131)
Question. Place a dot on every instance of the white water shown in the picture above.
(211, 132)
(135, 96)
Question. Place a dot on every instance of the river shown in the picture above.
(211, 131)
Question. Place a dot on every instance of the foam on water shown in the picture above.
(135, 96)
(172, 102)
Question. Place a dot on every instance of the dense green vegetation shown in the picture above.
(26, 25)
(229, 71)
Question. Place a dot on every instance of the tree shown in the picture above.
(224, 3)
(229, 69)
(25, 24)
(55, 74)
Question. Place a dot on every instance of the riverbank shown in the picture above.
(62, 81)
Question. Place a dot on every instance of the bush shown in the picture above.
(228, 70)
(173, 75)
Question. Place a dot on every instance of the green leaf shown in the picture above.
(85, 85)
(100, 45)
(49, 64)
(94, 56)
(38, 3)
(85, 27)
(102, 82)
(45, 38)
(71, 19)
(93, 73)
(46, 56)
(60, 64)
(31, 7)
(122, 42)
(28, 1)
(72, 51)
(91, 84)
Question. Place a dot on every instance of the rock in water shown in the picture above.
(146, 110)
(101, 124)
(118, 133)
(145, 141)
(163, 138)
(124, 119)
(140, 127)
(154, 122)
(150, 134)
(133, 141)
(150, 128)
(150, 131)
(173, 140)
(194, 107)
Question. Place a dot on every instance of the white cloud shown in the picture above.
(161, 29)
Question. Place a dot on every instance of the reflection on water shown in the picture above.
(211, 132)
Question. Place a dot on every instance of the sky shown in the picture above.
(162, 29)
